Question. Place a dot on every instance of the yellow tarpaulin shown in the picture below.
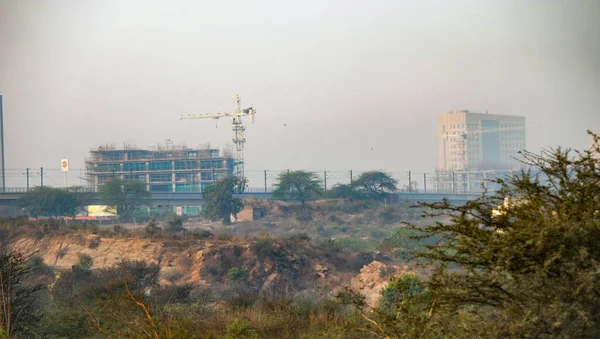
(101, 211)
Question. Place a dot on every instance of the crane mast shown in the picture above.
(238, 130)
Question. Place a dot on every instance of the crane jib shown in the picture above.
(238, 129)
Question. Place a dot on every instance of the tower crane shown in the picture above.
(238, 130)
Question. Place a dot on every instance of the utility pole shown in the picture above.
(453, 176)
(325, 178)
(425, 182)
(351, 177)
(409, 182)
(41, 177)
(27, 174)
(265, 181)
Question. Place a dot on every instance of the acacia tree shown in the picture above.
(49, 202)
(524, 261)
(152, 228)
(219, 200)
(127, 196)
(375, 185)
(298, 185)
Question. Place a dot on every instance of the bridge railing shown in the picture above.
(257, 190)
(13, 190)
(25, 189)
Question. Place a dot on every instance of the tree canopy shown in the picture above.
(219, 200)
(50, 202)
(127, 196)
(375, 185)
(523, 262)
(298, 185)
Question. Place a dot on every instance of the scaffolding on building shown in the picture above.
(163, 168)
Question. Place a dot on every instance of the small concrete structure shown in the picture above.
(250, 213)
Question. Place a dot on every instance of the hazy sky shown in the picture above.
(330, 80)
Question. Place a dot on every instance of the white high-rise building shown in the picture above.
(473, 141)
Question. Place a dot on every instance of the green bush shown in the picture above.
(338, 229)
(304, 218)
(263, 248)
(354, 207)
(175, 224)
(85, 261)
(355, 244)
(241, 297)
(172, 276)
(399, 290)
(329, 247)
(225, 236)
(389, 215)
(201, 234)
(379, 233)
(240, 329)
(38, 266)
(236, 274)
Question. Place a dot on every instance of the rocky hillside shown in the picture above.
(265, 263)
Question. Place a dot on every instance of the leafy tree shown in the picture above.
(127, 196)
(404, 308)
(298, 185)
(375, 185)
(219, 200)
(19, 311)
(49, 202)
(523, 262)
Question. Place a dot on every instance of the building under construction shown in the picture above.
(164, 168)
